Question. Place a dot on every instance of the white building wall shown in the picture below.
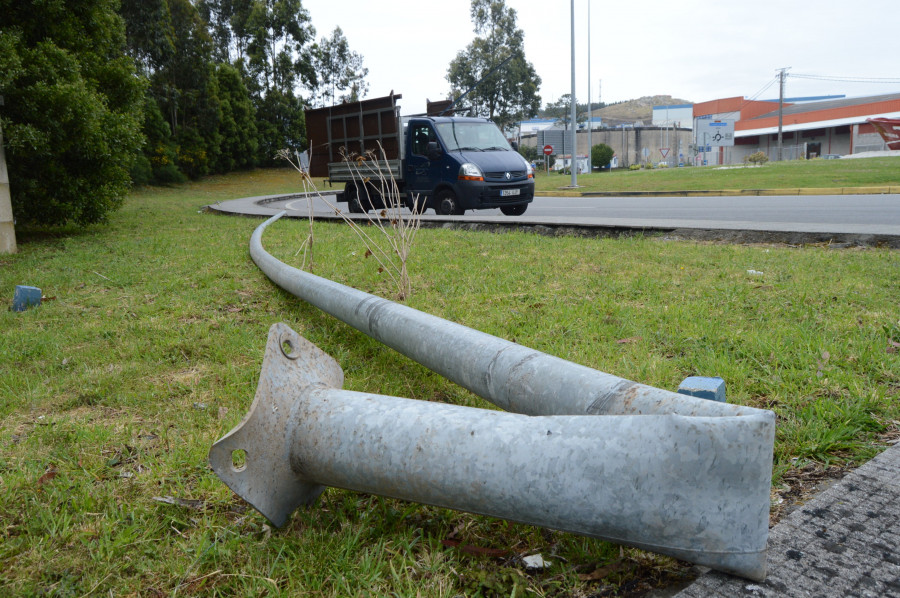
(679, 116)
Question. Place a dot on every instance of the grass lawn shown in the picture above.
(148, 347)
(860, 172)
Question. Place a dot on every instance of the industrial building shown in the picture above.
(810, 129)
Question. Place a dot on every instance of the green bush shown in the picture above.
(72, 113)
(757, 158)
(601, 155)
(528, 152)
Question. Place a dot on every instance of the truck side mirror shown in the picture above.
(433, 151)
(515, 146)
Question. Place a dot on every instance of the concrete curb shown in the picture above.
(686, 230)
(882, 190)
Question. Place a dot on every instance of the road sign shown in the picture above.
(548, 149)
(715, 132)
(664, 151)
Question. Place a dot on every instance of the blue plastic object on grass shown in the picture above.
(26, 297)
(703, 387)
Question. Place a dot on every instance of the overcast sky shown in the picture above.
(695, 50)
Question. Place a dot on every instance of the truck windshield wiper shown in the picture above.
(495, 148)
(470, 149)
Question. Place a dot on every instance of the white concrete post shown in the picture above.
(7, 230)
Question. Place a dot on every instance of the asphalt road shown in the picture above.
(850, 214)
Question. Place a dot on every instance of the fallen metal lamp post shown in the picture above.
(664, 472)
(671, 484)
(509, 375)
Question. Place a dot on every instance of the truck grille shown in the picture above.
(501, 175)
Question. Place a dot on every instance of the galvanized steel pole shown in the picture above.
(574, 108)
(590, 105)
(509, 375)
(696, 488)
(670, 473)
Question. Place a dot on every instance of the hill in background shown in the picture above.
(639, 109)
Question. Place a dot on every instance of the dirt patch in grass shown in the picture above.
(797, 486)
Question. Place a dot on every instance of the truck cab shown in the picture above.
(446, 163)
(456, 164)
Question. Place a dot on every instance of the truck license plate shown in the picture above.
(508, 192)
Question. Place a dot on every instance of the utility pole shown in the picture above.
(7, 224)
(573, 106)
(781, 111)
(590, 106)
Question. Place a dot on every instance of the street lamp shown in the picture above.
(590, 106)
(573, 106)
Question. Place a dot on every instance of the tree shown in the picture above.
(509, 94)
(277, 34)
(282, 125)
(238, 123)
(529, 152)
(338, 69)
(561, 110)
(187, 91)
(149, 33)
(157, 164)
(601, 155)
(72, 114)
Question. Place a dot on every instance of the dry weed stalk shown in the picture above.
(391, 249)
(307, 246)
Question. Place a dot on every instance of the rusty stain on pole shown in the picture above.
(695, 488)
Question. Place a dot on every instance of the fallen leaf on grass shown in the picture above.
(478, 550)
(602, 572)
(49, 475)
(893, 346)
(629, 340)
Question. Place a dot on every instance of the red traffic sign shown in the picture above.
(548, 149)
(664, 151)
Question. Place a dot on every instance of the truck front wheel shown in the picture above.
(446, 204)
(514, 210)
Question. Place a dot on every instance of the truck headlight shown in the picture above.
(529, 171)
(470, 172)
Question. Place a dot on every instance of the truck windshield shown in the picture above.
(472, 136)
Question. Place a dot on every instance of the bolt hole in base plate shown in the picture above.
(238, 460)
(288, 348)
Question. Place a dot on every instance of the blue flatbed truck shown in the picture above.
(446, 163)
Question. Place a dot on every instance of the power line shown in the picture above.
(752, 98)
(846, 79)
